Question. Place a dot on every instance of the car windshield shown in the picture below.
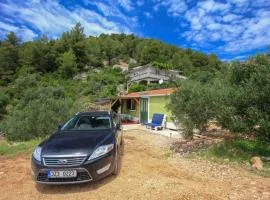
(87, 122)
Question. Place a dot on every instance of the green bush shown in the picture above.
(238, 98)
(238, 150)
(193, 105)
(24, 82)
(4, 99)
(104, 83)
(137, 87)
(14, 148)
(37, 114)
(41, 93)
(38, 119)
(68, 65)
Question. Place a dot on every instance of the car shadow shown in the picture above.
(74, 188)
(82, 187)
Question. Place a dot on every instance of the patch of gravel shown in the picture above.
(193, 145)
(149, 171)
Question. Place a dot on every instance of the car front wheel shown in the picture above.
(116, 163)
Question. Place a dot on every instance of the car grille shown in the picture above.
(63, 161)
(82, 176)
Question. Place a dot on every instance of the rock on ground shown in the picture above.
(257, 163)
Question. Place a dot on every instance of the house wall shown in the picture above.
(158, 105)
(149, 74)
(134, 113)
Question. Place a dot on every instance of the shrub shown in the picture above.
(24, 82)
(68, 65)
(238, 150)
(13, 148)
(237, 98)
(193, 105)
(41, 93)
(104, 83)
(4, 98)
(37, 114)
(137, 87)
(38, 119)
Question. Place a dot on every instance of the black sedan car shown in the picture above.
(85, 148)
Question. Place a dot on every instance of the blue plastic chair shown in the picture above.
(156, 121)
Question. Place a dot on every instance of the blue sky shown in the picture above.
(232, 29)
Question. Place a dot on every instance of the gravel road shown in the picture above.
(149, 171)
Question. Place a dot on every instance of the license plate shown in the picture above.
(62, 173)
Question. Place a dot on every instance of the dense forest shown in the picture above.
(73, 52)
(39, 88)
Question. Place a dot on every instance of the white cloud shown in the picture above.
(213, 6)
(239, 2)
(214, 26)
(8, 27)
(51, 18)
(126, 4)
(241, 57)
(230, 17)
(252, 3)
(24, 33)
(148, 14)
(106, 9)
(255, 35)
(213, 23)
(110, 9)
(215, 36)
(199, 37)
(174, 7)
(229, 26)
(195, 17)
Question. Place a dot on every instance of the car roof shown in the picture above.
(95, 113)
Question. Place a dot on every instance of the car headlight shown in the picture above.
(102, 150)
(37, 154)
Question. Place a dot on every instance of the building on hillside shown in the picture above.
(148, 74)
(139, 107)
(104, 104)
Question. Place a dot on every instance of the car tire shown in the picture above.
(122, 141)
(116, 163)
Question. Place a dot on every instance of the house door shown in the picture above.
(143, 110)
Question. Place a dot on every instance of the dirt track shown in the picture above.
(148, 172)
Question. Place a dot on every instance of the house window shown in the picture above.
(131, 105)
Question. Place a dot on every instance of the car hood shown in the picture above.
(76, 143)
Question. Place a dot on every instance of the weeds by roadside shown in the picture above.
(14, 148)
(238, 151)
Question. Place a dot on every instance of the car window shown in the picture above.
(88, 123)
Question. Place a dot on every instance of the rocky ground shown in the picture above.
(149, 171)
